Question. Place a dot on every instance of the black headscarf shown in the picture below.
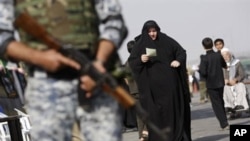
(162, 42)
(150, 24)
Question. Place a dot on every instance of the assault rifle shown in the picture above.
(105, 80)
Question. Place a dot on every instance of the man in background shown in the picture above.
(234, 90)
(211, 65)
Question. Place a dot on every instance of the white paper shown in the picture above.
(151, 52)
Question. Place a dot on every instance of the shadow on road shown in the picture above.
(212, 138)
(202, 113)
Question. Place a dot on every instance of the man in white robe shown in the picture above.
(234, 90)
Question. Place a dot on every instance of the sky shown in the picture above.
(189, 21)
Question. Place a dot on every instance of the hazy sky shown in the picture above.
(189, 21)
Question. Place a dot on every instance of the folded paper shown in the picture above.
(151, 52)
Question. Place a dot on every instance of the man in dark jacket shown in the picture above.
(211, 68)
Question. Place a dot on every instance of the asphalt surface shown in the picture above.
(204, 125)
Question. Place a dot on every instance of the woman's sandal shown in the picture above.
(144, 136)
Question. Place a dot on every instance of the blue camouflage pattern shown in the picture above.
(53, 107)
(102, 120)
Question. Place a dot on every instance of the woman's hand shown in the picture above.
(144, 58)
(175, 64)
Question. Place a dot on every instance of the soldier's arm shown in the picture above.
(10, 48)
(113, 30)
(6, 26)
(50, 60)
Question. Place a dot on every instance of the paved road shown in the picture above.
(204, 125)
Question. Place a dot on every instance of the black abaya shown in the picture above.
(163, 89)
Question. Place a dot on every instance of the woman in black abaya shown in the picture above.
(162, 82)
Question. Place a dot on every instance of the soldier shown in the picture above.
(51, 101)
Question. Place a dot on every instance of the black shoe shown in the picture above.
(123, 129)
(238, 107)
(131, 129)
(228, 109)
(232, 116)
(225, 128)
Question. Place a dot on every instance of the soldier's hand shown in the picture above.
(52, 60)
(89, 84)
(49, 60)
(99, 66)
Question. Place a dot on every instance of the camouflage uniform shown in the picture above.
(52, 103)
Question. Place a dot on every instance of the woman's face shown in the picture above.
(152, 33)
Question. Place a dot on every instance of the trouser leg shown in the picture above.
(240, 89)
(51, 105)
(101, 121)
(216, 96)
(228, 97)
(203, 90)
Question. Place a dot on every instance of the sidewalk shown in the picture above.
(204, 125)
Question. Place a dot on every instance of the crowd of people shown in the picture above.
(234, 94)
(57, 96)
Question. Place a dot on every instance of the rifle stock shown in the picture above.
(121, 95)
(33, 28)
